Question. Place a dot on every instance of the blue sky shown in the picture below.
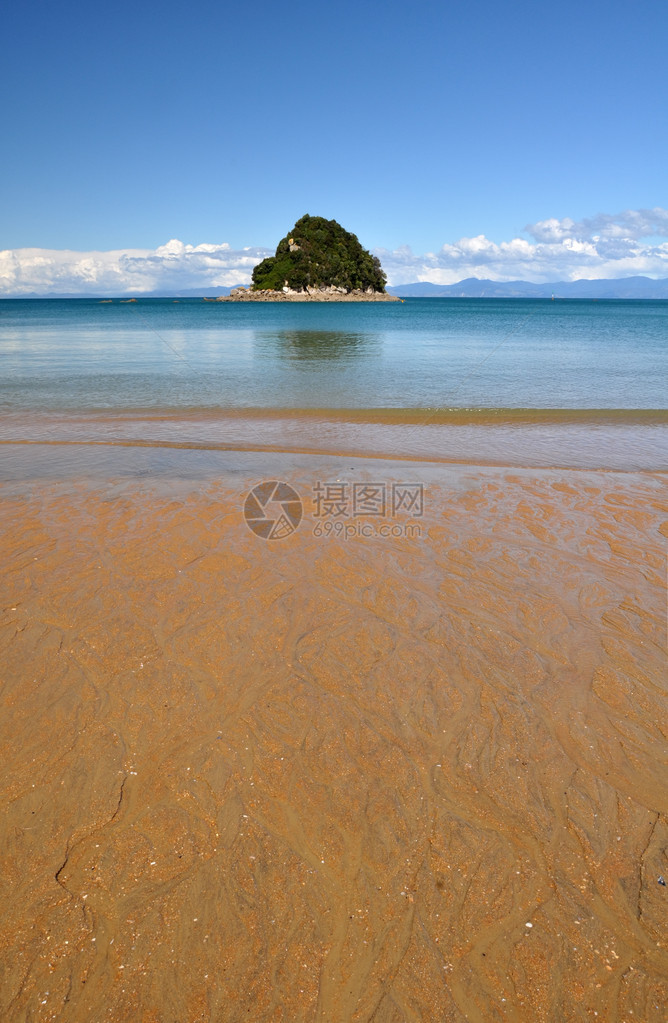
(415, 126)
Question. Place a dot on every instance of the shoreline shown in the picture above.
(388, 416)
(606, 439)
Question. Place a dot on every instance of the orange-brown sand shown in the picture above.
(374, 779)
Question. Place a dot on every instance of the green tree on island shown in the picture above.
(319, 253)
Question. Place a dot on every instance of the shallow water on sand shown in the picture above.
(64, 445)
(391, 767)
(390, 778)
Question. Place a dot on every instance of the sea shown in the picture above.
(532, 381)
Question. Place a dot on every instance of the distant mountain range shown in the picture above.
(472, 287)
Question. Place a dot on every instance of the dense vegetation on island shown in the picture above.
(319, 253)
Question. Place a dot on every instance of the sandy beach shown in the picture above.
(409, 777)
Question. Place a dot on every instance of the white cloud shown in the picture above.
(604, 246)
(171, 267)
(631, 224)
(620, 245)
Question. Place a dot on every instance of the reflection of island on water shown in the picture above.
(317, 345)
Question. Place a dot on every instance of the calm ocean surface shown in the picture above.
(118, 388)
(421, 353)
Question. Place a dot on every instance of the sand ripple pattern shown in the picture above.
(374, 780)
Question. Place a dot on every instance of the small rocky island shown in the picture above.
(318, 261)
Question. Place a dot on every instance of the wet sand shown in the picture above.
(419, 777)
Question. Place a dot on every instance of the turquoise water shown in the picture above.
(60, 355)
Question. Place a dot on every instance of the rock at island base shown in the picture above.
(331, 294)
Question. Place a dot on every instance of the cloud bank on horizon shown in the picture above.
(604, 246)
(169, 268)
